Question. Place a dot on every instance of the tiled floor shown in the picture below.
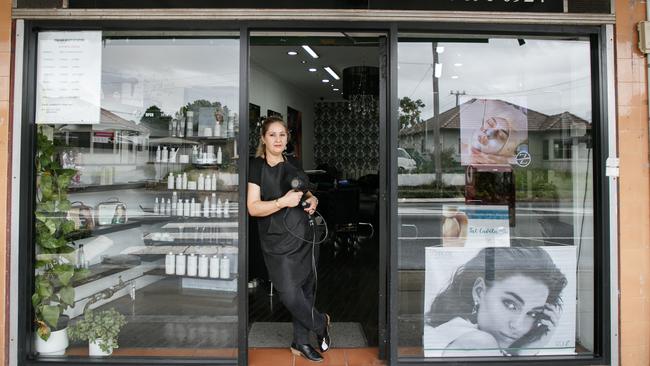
(256, 356)
(338, 357)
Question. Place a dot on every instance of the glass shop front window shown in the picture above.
(496, 249)
(136, 212)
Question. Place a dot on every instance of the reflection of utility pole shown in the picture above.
(436, 112)
(457, 94)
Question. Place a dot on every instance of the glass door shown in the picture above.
(327, 88)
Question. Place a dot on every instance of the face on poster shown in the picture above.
(492, 131)
(501, 301)
(68, 77)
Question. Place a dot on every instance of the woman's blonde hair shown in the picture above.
(265, 127)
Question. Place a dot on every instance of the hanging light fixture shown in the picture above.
(361, 89)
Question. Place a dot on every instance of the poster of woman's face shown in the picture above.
(499, 301)
(492, 131)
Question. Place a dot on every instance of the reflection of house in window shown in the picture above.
(562, 149)
(547, 143)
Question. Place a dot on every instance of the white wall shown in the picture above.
(270, 92)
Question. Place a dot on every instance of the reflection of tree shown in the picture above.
(409, 112)
(202, 103)
(155, 117)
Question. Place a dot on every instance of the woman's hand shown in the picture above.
(290, 199)
(313, 203)
(544, 325)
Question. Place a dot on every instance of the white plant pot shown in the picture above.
(55, 345)
(95, 350)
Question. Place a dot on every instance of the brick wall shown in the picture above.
(634, 198)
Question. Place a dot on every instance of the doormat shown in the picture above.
(280, 334)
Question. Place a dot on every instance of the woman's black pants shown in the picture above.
(298, 301)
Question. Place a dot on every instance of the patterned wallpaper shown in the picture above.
(345, 141)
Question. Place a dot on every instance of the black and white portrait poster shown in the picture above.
(499, 301)
(492, 131)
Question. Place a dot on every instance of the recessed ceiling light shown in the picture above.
(331, 72)
(326, 80)
(310, 51)
(303, 61)
(292, 53)
(440, 49)
(458, 64)
(336, 89)
(454, 77)
(311, 69)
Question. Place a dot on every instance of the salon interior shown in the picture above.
(326, 86)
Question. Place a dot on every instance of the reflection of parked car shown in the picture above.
(405, 163)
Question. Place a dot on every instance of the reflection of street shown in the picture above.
(420, 224)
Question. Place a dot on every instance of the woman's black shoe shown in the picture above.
(324, 340)
(306, 351)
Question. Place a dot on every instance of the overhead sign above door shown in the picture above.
(534, 6)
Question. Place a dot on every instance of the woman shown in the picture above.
(504, 301)
(285, 236)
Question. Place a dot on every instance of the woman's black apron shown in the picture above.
(288, 258)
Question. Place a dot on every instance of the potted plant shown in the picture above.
(100, 329)
(54, 268)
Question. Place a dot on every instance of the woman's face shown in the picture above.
(275, 138)
(492, 135)
(507, 308)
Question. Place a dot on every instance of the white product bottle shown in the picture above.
(200, 184)
(168, 208)
(195, 154)
(180, 264)
(184, 180)
(186, 208)
(179, 207)
(192, 207)
(226, 209)
(190, 123)
(203, 266)
(219, 212)
(219, 155)
(179, 181)
(214, 266)
(172, 155)
(208, 183)
(213, 205)
(206, 207)
(214, 182)
(197, 212)
(170, 263)
(158, 154)
(163, 206)
(170, 181)
(192, 265)
(164, 156)
(217, 130)
(156, 207)
(224, 271)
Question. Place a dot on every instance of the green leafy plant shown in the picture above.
(55, 270)
(99, 326)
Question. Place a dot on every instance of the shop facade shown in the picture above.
(490, 131)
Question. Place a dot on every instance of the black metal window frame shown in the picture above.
(388, 178)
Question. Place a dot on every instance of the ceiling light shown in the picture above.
(438, 71)
(310, 51)
(335, 89)
(458, 64)
(311, 69)
(439, 49)
(303, 62)
(292, 53)
(326, 80)
(331, 72)
(454, 77)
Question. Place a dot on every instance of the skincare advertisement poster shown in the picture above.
(492, 131)
(503, 301)
(68, 77)
(475, 226)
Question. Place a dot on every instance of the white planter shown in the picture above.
(95, 350)
(55, 345)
